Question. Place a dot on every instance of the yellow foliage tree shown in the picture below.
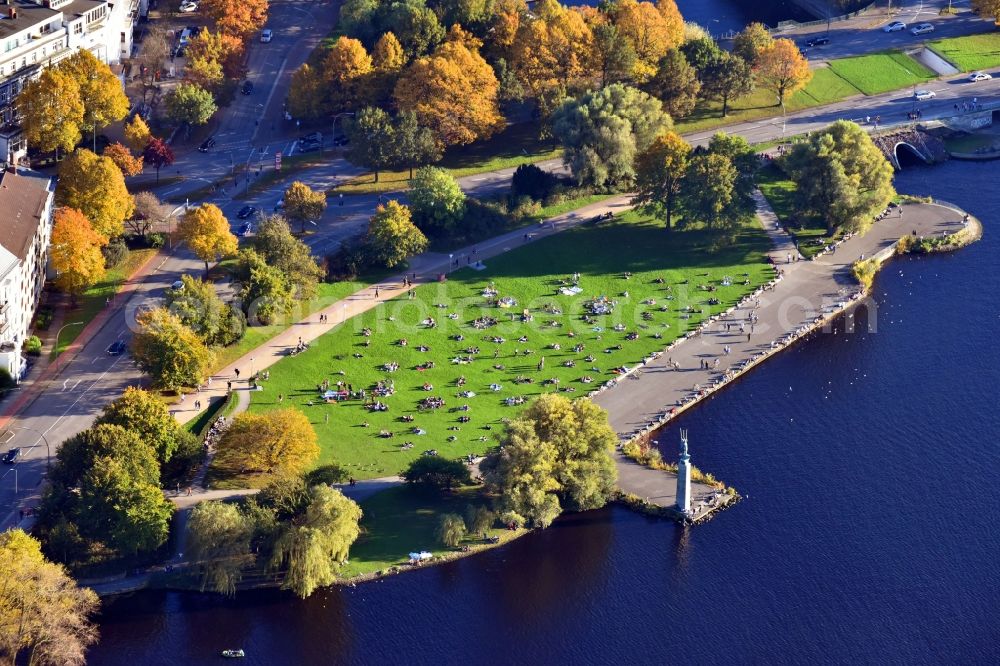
(76, 252)
(204, 72)
(206, 231)
(650, 33)
(219, 47)
(137, 133)
(782, 68)
(104, 100)
(453, 93)
(123, 158)
(553, 51)
(303, 204)
(281, 441)
(51, 111)
(46, 617)
(987, 9)
(94, 185)
(306, 93)
(346, 69)
(239, 18)
(388, 55)
(674, 21)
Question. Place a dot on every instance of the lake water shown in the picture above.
(720, 16)
(869, 533)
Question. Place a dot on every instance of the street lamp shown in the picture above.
(251, 366)
(65, 326)
(48, 449)
(333, 129)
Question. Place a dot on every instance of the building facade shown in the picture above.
(26, 207)
(34, 35)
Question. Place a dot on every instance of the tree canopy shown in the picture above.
(190, 103)
(266, 291)
(437, 202)
(781, 67)
(51, 110)
(146, 415)
(392, 236)
(556, 455)
(206, 231)
(170, 352)
(660, 170)
(280, 249)
(129, 164)
(304, 204)
(104, 100)
(201, 309)
(218, 538)
(437, 472)
(75, 252)
(282, 442)
(95, 186)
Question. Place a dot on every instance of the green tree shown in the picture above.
(726, 78)
(743, 156)
(51, 111)
(312, 549)
(304, 204)
(358, 19)
(128, 514)
(266, 291)
(136, 456)
(437, 472)
(189, 103)
(451, 529)
(94, 185)
(45, 615)
(282, 250)
(751, 42)
(146, 415)
(415, 25)
(479, 519)
(660, 170)
(170, 352)
(104, 100)
(436, 201)
(556, 455)
(206, 231)
(199, 307)
(700, 52)
(414, 145)
(614, 54)
(373, 140)
(218, 539)
(603, 131)
(392, 236)
(841, 177)
(708, 192)
(676, 84)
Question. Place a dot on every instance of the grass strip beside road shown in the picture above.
(971, 52)
(881, 72)
(532, 275)
(95, 299)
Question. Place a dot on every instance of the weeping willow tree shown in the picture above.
(312, 549)
(219, 540)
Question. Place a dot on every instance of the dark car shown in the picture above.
(11, 456)
(342, 140)
(244, 230)
(246, 212)
(309, 146)
(312, 137)
(817, 41)
(117, 347)
(206, 144)
(247, 87)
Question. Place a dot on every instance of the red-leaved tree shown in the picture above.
(159, 154)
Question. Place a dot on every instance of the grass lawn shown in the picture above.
(826, 87)
(971, 52)
(516, 145)
(780, 193)
(653, 312)
(94, 299)
(881, 72)
(401, 520)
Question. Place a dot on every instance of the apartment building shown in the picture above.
(26, 202)
(37, 34)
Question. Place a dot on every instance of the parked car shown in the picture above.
(178, 284)
(244, 230)
(895, 26)
(312, 137)
(817, 41)
(924, 95)
(206, 144)
(117, 347)
(980, 76)
(11, 456)
(188, 7)
(246, 212)
(266, 35)
(922, 29)
(309, 146)
(281, 204)
(247, 87)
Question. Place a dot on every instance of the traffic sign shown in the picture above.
(277, 161)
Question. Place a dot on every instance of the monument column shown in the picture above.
(684, 477)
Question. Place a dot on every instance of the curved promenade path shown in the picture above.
(807, 290)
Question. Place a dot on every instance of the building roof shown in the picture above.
(22, 201)
(29, 15)
(78, 8)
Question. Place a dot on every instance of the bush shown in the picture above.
(350, 260)
(33, 346)
(6, 381)
(184, 461)
(451, 529)
(114, 253)
(437, 472)
(864, 272)
(326, 475)
(156, 240)
(531, 181)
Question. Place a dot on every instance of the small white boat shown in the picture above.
(233, 654)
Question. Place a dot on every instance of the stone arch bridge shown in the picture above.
(917, 142)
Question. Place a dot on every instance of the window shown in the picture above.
(78, 29)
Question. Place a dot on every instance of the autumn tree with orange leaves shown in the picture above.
(782, 68)
(76, 252)
(124, 159)
(454, 93)
(346, 69)
(650, 33)
(239, 18)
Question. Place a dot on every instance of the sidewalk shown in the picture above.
(424, 269)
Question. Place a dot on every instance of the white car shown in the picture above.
(980, 76)
(922, 29)
(266, 35)
(187, 7)
(924, 94)
(895, 26)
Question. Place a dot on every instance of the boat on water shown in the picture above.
(233, 654)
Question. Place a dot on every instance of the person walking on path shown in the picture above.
(236, 371)
(376, 293)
